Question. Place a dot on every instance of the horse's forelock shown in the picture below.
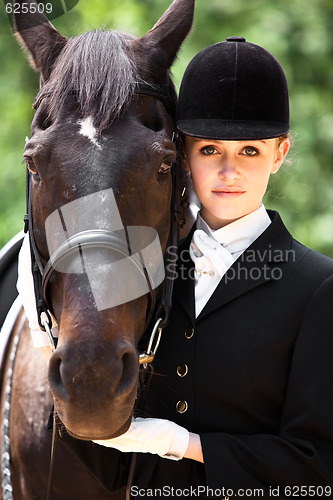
(99, 68)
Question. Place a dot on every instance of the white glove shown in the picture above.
(25, 288)
(152, 435)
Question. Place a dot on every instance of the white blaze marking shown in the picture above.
(88, 130)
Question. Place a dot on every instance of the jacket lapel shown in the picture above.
(263, 261)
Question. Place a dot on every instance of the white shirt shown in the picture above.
(215, 254)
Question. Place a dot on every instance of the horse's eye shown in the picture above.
(30, 164)
(165, 166)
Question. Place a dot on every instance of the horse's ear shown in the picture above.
(170, 31)
(38, 36)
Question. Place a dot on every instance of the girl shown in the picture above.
(241, 392)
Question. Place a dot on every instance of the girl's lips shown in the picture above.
(228, 192)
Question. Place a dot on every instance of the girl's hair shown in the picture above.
(282, 138)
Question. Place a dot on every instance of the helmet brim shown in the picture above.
(232, 130)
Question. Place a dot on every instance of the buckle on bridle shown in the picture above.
(149, 355)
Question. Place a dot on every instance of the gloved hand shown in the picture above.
(152, 435)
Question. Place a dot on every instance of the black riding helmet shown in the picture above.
(234, 90)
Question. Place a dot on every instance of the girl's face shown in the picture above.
(230, 177)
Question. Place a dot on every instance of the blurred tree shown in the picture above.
(298, 33)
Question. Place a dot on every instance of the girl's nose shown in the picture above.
(228, 171)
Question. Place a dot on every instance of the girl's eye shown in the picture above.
(250, 151)
(208, 150)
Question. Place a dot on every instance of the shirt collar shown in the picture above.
(240, 234)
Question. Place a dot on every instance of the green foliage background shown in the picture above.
(298, 32)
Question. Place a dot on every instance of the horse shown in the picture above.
(100, 157)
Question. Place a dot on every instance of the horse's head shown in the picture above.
(100, 154)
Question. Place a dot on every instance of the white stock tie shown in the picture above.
(211, 261)
(208, 255)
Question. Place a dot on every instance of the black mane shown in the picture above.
(98, 67)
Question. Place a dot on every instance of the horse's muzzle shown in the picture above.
(94, 392)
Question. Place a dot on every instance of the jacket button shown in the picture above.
(189, 333)
(182, 370)
(181, 406)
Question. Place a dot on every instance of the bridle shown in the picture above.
(110, 240)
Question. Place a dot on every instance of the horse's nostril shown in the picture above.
(56, 382)
(129, 374)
